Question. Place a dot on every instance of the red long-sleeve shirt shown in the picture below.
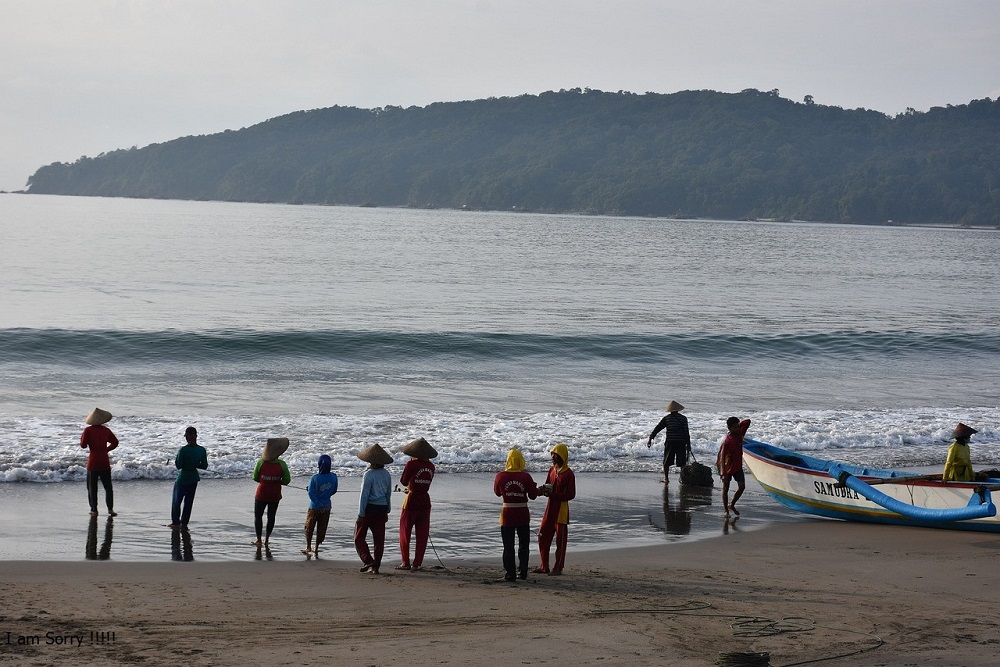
(100, 440)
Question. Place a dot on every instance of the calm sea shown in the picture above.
(338, 327)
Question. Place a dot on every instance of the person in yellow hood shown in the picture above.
(515, 487)
(560, 487)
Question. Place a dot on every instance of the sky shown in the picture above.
(85, 77)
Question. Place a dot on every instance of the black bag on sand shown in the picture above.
(696, 474)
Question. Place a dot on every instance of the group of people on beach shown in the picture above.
(729, 460)
(514, 486)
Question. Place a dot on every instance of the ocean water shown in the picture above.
(338, 327)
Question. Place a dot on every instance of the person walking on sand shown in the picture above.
(515, 487)
(416, 512)
(270, 473)
(373, 507)
(190, 458)
(730, 462)
(99, 439)
(560, 488)
(958, 464)
(321, 488)
(677, 441)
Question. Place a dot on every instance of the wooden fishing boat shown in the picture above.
(855, 493)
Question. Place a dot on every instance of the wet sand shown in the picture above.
(819, 589)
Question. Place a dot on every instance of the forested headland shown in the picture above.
(751, 154)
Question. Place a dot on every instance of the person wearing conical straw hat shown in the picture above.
(515, 487)
(677, 442)
(373, 507)
(270, 473)
(560, 487)
(99, 439)
(958, 464)
(416, 512)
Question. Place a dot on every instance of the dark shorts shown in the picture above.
(738, 476)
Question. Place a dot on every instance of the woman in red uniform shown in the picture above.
(560, 487)
(515, 487)
(416, 513)
(271, 473)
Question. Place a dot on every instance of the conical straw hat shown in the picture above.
(674, 406)
(98, 416)
(963, 431)
(420, 449)
(274, 448)
(375, 454)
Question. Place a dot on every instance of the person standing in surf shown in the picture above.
(270, 473)
(560, 488)
(416, 512)
(99, 439)
(677, 441)
(730, 462)
(190, 458)
(373, 507)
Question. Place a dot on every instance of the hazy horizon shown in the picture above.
(82, 79)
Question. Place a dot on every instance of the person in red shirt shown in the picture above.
(730, 462)
(560, 487)
(515, 487)
(99, 439)
(416, 512)
(271, 473)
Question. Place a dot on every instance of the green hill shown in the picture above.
(689, 154)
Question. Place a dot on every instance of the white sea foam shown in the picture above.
(47, 450)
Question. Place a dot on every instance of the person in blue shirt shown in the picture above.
(322, 486)
(191, 458)
(373, 508)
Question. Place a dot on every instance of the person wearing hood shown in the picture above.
(560, 488)
(321, 488)
(416, 513)
(270, 473)
(958, 464)
(515, 487)
(373, 507)
(99, 439)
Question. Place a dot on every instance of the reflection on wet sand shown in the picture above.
(92, 552)
(678, 513)
(180, 545)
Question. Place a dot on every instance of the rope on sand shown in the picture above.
(752, 626)
(737, 659)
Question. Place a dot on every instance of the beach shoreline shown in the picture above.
(876, 595)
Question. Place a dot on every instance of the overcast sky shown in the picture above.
(80, 77)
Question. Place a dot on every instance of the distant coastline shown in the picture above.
(889, 223)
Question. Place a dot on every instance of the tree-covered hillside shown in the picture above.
(691, 154)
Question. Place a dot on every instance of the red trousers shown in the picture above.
(545, 532)
(408, 520)
(375, 521)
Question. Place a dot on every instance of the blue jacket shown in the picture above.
(321, 487)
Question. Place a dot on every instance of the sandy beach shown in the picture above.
(818, 589)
